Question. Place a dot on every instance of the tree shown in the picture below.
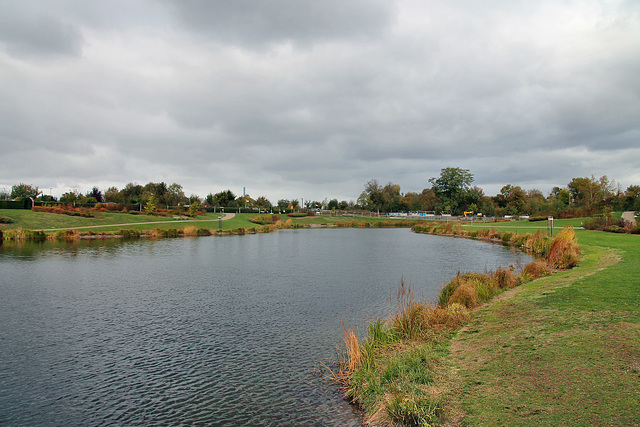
(263, 203)
(473, 197)
(559, 199)
(70, 197)
(451, 186)
(391, 198)
(632, 198)
(96, 194)
(195, 208)
(374, 195)
(535, 202)
(363, 201)
(312, 204)
(511, 199)
(152, 204)
(112, 195)
(245, 201)
(24, 190)
(333, 204)
(224, 198)
(158, 190)
(5, 194)
(132, 193)
(590, 193)
(428, 200)
(174, 195)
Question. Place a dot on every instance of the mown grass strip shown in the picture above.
(505, 367)
(563, 350)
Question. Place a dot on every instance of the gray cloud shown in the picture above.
(252, 23)
(33, 32)
(295, 99)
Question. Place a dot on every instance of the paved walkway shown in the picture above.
(226, 217)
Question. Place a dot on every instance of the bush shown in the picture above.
(536, 268)
(64, 210)
(203, 232)
(264, 219)
(505, 278)
(564, 251)
(129, 234)
(190, 230)
(14, 204)
(469, 290)
(67, 235)
(22, 234)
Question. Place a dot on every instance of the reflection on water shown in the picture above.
(210, 330)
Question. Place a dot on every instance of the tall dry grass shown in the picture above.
(564, 251)
(536, 268)
(469, 290)
(372, 372)
(190, 230)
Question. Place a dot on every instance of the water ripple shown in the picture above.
(209, 331)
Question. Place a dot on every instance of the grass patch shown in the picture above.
(561, 350)
(392, 374)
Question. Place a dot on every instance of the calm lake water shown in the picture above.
(217, 331)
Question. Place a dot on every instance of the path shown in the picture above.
(226, 217)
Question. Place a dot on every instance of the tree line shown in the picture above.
(452, 192)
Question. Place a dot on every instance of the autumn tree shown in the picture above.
(451, 188)
(511, 199)
(112, 195)
(174, 195)
(590, 193)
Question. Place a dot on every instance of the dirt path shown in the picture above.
(226, 217)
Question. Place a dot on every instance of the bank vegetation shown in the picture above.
(395, 374)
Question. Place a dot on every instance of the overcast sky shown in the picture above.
(311, 99)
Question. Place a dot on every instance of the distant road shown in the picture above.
(226, 217)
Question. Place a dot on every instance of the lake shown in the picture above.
(217, 331)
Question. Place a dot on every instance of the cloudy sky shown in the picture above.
(311, 99)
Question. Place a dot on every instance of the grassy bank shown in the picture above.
(563, 350)
(30, 225)
(538, 354)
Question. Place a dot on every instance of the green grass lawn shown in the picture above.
(564, 350)
(107, 221)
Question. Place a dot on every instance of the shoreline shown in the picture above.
(419, 331)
